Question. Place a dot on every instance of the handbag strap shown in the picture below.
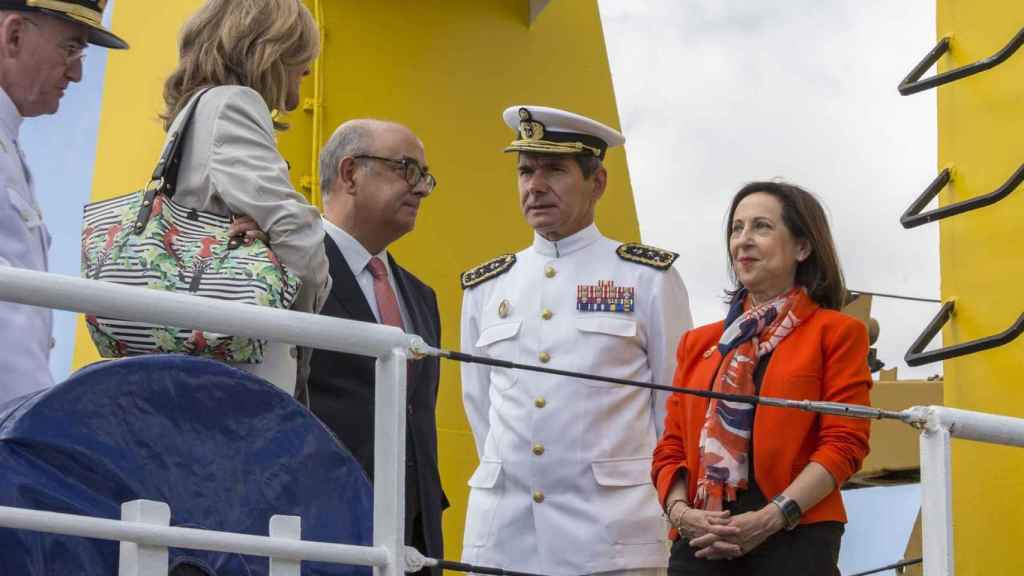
(165, 175)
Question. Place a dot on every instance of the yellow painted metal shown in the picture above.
(980, 123)
(444, 68)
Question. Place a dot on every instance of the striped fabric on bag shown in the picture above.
(179, 250)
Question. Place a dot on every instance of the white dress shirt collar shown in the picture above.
(10, 118)
(357, 258)
(567, 245)
(355, 254)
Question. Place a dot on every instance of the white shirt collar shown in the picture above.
(568, 245)
(10, 118)
(355, 254)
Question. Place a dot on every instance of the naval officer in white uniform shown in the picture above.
(41, 51)
(563, 486)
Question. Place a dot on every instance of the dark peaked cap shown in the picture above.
(89, 13)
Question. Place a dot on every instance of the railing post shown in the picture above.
(936, 500)
(140, 559)
(389, 461)
(286, 528)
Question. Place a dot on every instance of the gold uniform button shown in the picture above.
(538, 449)
(540, 402)
(547, 314)
(550, 271)
(545, 357)
(538, 496)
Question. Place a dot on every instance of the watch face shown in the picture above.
(792, 511)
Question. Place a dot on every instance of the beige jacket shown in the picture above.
(230, 165)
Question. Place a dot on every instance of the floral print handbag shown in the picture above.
(145, 239)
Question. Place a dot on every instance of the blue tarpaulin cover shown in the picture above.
(224, 449)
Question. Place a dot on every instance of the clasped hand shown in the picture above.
(721, 536)
(247, 230)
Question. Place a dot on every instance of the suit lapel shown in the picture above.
(411, 300)
(346, 291)
(412, 308)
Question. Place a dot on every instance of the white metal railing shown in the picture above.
(143, 530)
(145, 524)
(141, 539)
(939, 426)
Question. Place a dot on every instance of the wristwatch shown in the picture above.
(790, 510)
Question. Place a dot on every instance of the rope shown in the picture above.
(895, 296)
(896, 566)
(833, 408)
(414, 562)
(473, 568)
(467, 568)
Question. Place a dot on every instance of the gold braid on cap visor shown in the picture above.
(76, 11)
(547, 147)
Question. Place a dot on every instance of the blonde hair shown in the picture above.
(242, 42)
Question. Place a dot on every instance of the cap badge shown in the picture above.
(605, 297)
(529, 129)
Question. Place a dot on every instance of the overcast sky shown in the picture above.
(715, 93)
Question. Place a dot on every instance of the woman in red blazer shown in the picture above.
(760, 485)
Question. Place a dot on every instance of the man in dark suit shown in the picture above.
(373, 178)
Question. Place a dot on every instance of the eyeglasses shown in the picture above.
(73, 51)
(412, 171)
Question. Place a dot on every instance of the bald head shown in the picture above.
(373, 176)
(351, 139)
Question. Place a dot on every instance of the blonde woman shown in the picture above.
(253, 55)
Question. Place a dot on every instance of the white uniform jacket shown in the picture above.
(563, 486)
(25, 331)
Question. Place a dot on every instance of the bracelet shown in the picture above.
(668, 511)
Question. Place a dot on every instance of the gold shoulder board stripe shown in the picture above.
(487, 270)
(647, 255)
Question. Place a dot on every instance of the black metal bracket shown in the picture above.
(917, 357)
(913, 83)
(913, 216)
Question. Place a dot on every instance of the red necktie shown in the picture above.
(387, 302)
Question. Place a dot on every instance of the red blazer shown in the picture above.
(825, 358)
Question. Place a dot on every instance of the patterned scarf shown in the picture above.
(725, 436)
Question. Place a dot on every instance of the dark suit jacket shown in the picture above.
(341, 390)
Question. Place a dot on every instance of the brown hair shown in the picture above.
(241, 42)
(588, 164)
(805, 218)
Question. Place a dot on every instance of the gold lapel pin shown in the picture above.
(709, 352)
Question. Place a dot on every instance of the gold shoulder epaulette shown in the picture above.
(487, 270)
(647, 255)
